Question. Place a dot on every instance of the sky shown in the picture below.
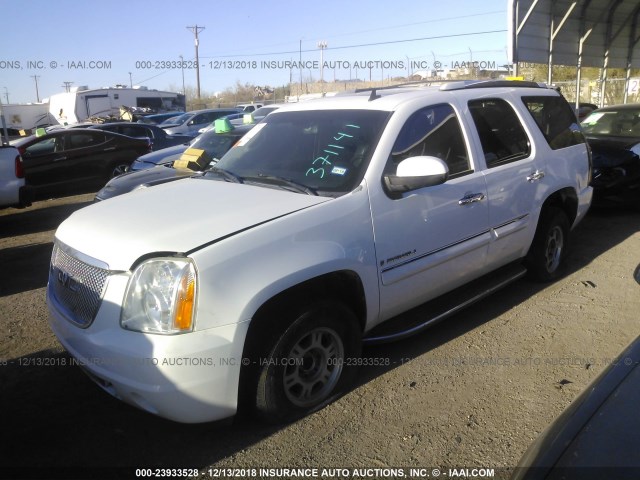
(265, 43)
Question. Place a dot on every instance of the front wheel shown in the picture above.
(119, 169)
(546, 258)
(311, 363)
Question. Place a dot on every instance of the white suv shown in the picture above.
(257, 283)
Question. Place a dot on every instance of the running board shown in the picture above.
(417, 319)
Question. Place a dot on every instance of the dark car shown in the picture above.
(140, 179)
(614, 136)
(158, 118)
(69, 161)
(158, 136)
(215, 144)
(598, 435)
(159, 157)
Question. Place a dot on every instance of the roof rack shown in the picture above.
(464, 84)
(374, 90)
(445, 85)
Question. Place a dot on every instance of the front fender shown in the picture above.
(239, 274)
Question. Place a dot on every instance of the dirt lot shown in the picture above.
(471, 392)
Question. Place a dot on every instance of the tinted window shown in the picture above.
(45, 146)
(134, 131)
(82, 140)
(327, 150)
(501, 134)
(556, 121)
(435, 132)
(214, 144)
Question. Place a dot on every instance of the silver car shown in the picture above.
(190, 122)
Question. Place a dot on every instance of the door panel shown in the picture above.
(514, 174)
(435, 238)
(42, 159)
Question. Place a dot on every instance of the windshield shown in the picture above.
(263, 111)
(179, 120)
(619, 123)
(325, 150)
(215, 144)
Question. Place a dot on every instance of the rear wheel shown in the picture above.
(310, 364)
(546, 258)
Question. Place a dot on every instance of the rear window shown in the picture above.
(556, 121)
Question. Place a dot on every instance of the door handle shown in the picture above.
(58, 159)
(535, 176)
(471, 198)
(109, 149)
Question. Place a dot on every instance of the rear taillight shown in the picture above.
(18, 165)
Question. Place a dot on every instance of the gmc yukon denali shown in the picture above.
(255, 285)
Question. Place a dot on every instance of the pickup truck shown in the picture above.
(359, 218)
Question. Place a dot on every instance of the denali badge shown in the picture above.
(67, 281)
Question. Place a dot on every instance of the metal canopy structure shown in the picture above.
(584, 33)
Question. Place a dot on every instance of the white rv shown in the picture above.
(82, 103)
(27, 116)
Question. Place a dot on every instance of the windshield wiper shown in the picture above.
(226, 174)
(288, 182)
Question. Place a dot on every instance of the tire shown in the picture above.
(546, 260)
(118, 169)
(308, 366)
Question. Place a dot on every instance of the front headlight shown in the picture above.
(161, 297)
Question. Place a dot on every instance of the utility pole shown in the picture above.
(67, 86)
(130, 80)
(196, 29)
(36, 77)
(322, 45)
(6, 95)
(182, 67)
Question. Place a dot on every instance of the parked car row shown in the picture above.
(189, 123)
(155, 169)
(75, 158)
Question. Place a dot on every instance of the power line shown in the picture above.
(373, 44)
(389, 42)
(358, 32)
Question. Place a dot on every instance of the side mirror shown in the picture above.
(417, 172)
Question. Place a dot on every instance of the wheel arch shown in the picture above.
(566, 199)
(344, 286)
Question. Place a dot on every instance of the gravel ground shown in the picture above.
(471, 392)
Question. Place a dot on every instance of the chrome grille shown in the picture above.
(76, 286)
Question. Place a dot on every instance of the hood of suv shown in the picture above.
(174, 218)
